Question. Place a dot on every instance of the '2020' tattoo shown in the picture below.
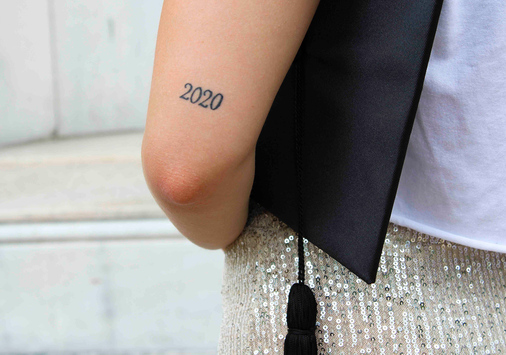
(197, 94)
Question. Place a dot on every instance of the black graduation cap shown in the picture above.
(330, 154)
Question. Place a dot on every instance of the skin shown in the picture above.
(199, 162)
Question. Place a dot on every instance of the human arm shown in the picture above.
(199, 162)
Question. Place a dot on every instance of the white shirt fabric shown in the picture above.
(453, 182)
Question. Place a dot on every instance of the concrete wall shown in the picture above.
(74, 67)
(26, 78)
(130, 297)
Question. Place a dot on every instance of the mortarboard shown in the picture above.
(330, 154)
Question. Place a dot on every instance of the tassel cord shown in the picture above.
(302, 308)
(298, 163)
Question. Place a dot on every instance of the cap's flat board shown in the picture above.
(363, 66)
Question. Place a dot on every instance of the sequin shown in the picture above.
(431, 296)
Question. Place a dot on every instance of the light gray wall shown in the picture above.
(26, 91)
(104, 53)
(74, 67)
(126, 297)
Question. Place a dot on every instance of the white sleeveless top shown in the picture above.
(453, 181)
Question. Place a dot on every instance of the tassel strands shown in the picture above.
(301, 310)
(301, 318)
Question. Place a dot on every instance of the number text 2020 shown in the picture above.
(197, 94)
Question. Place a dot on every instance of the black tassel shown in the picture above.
(301, 310)
(301, 319)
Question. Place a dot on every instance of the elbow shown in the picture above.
(175, 186)
(170, 182)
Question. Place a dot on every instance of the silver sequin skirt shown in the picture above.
(430, 297)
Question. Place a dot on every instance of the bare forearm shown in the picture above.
(218, 215)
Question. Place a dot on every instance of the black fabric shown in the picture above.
(364, 66)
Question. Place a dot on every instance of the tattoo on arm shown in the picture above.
(197, 94)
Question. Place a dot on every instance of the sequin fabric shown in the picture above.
(430, 297)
